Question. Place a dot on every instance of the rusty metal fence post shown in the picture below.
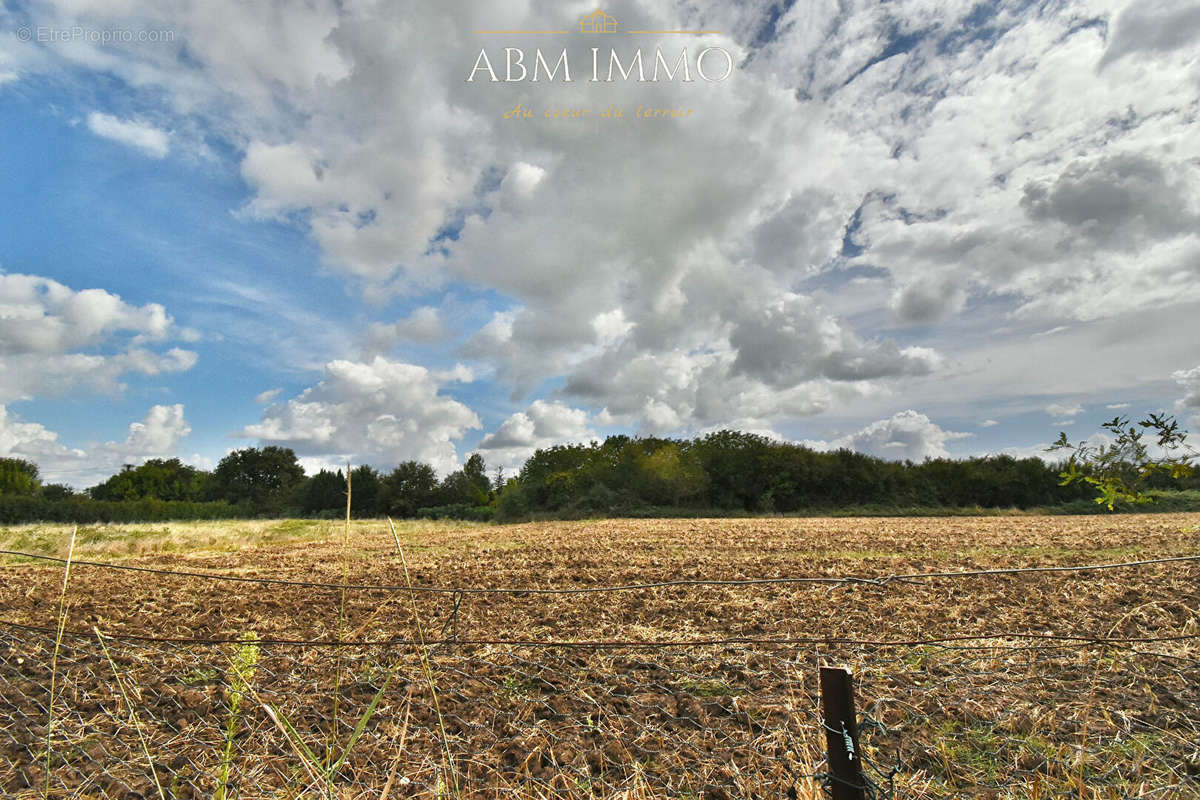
(847, 781)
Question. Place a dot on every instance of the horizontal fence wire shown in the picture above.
(120, 713)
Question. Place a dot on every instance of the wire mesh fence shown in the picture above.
(443, 711)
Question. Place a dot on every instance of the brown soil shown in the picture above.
(993, 719)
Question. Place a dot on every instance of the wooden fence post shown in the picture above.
(841, 734)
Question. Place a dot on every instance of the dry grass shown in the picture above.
(108, 542)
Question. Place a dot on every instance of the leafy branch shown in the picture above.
(1121, 467)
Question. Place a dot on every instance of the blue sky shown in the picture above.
(916, 229)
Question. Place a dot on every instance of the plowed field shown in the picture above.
(996, 685)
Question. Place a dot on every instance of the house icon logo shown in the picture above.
(598, 22)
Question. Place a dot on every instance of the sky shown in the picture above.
(920, 228)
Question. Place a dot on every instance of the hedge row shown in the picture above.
(85, 510)
(462, 511)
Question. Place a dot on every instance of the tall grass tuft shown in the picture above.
(325, 770)
(423, 653)
(132, 712)
(242, 667)
(62, 624)
(337, 675)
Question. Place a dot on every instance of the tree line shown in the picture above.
(723, 472)
(252, 482)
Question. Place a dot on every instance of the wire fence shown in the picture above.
(461, 706)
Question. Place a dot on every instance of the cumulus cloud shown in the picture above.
(988, 423)
(908, 435)
(262, 398)
(402, 200)
(790, 341)
(54, 339)
(926, 301)
(543, 424)
(1119, 201)
(981, 165)
(41, 316)
(157, 435)
(379, 412)
(34, 442)
(138, 135)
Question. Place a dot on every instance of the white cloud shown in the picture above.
(1120, 201)
(459, 373)
(1117, 406)
(54, 339)
(378, 412)
(1064, 414)
(423, 325)
(595, 260)
(157, 435)
(988, 423)
(262, 398)
(139, 135)
(41, 316)
(1006, 170)
(1189, 381)
(202, 462)
(543, 424)
(907, 435)
(1153, 26)
(36, 443)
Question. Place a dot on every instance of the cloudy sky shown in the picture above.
(915, 228)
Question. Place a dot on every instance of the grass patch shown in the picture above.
(710, 688)
(520, 688)
(112, 542)
(199, 675)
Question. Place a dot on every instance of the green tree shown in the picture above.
(1120, 468)
(410, 486)
(467, 486)
(475, 471)
(666, 473)
(733, 462)
(57, 491)
(367, 489)
(160, 479)
(261, 477)
(18, 477)
(323, 492)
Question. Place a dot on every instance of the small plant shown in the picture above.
(710, 688)
(325, 770)
(1121, 468)
(242, 667)
(519, 688)
(317, 768)
(198, 675)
